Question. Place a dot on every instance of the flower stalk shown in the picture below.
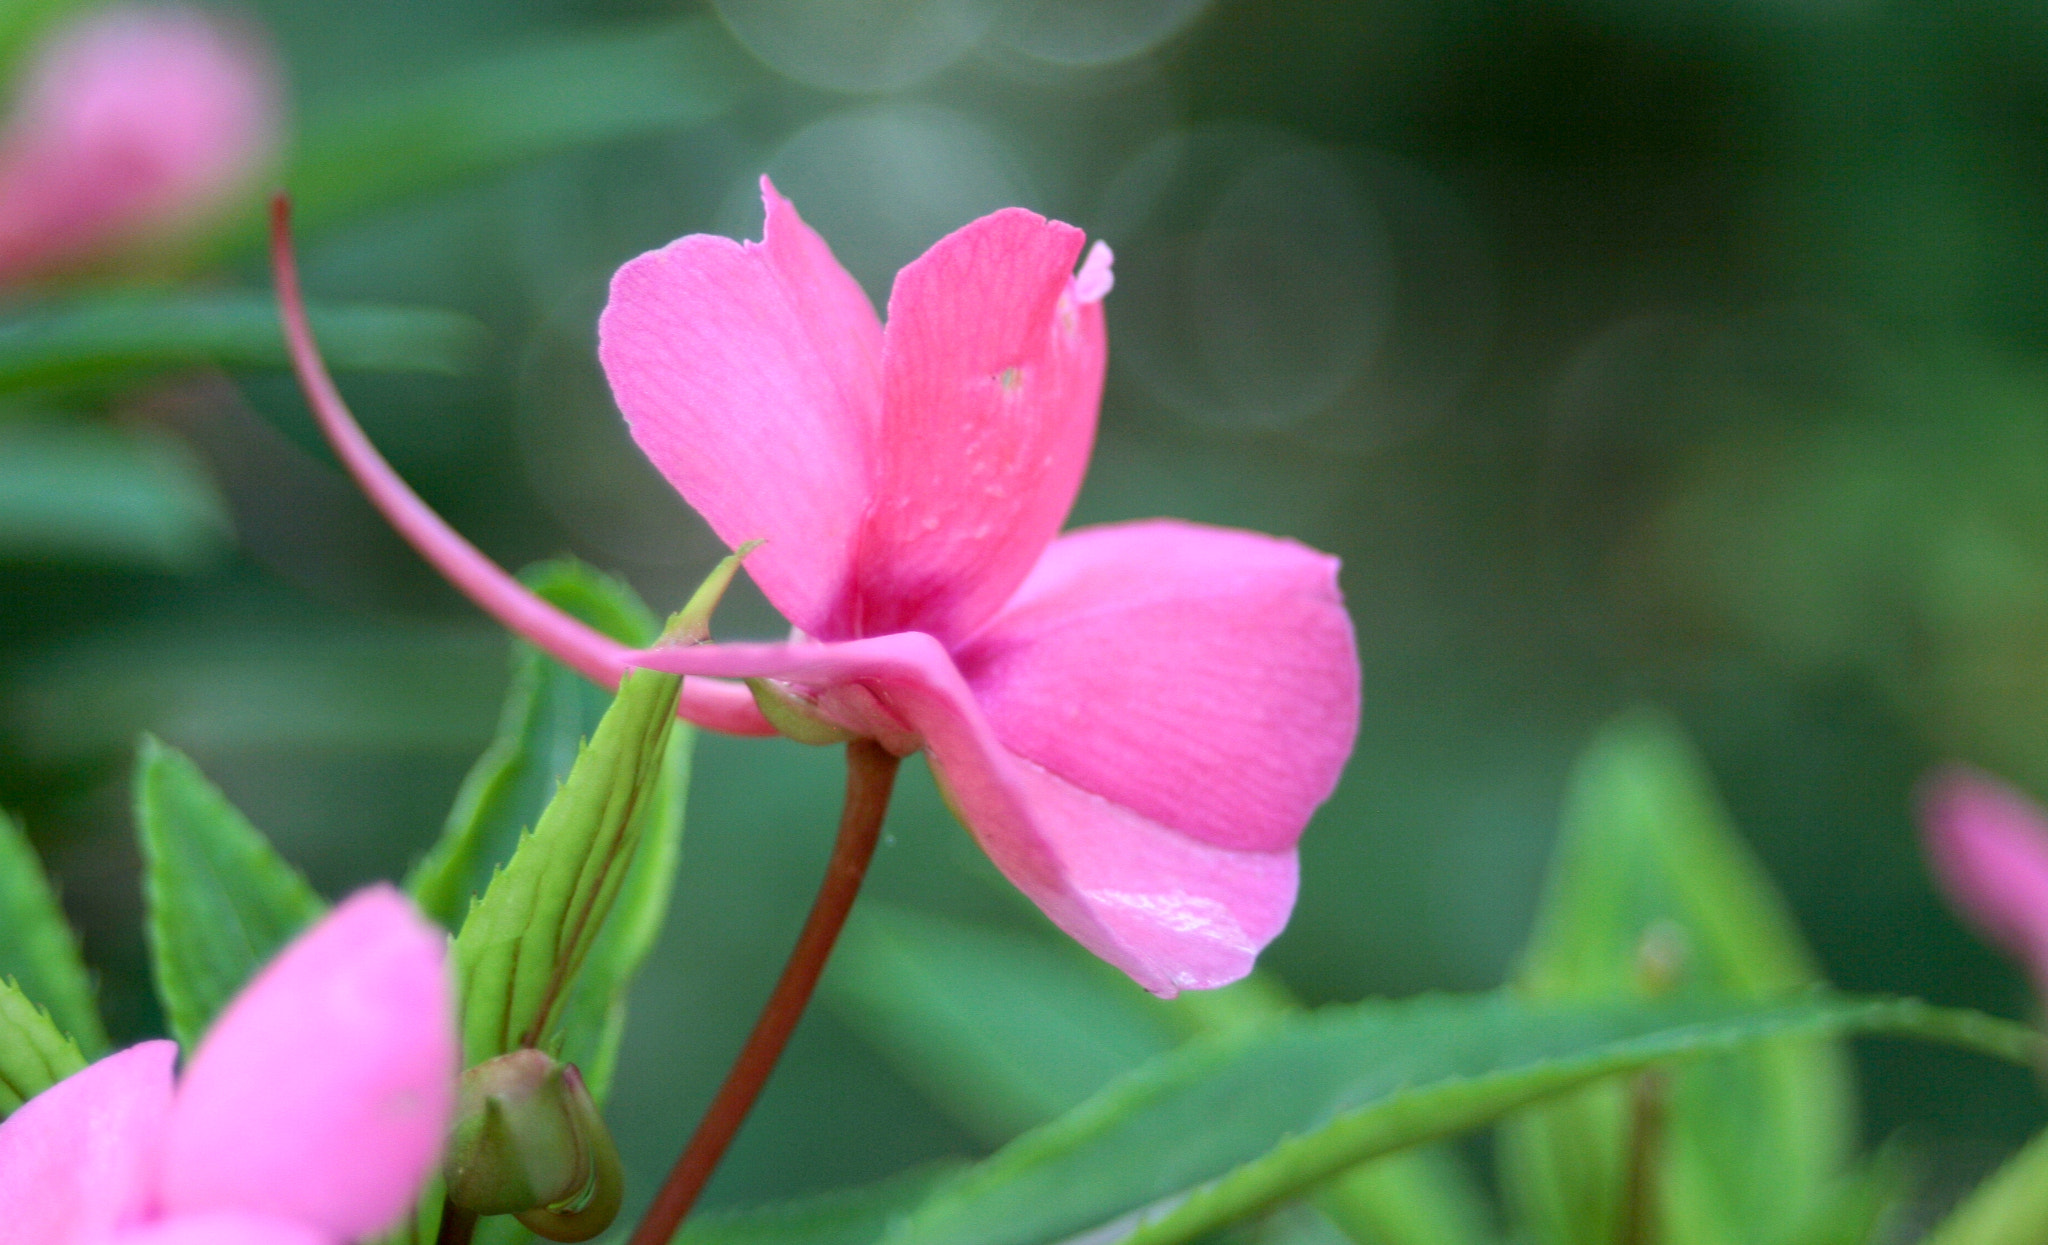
(870, 777)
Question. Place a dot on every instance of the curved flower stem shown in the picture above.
(870, 776)
(712, 703)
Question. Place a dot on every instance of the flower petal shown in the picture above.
(1989, 847)
(991, 375)
(76, 1161)
(323, 1092)
(226, 1228)
(750, 374)
(1173, 912)
(132, 119)
(1204, 678)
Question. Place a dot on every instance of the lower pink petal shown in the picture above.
(77, 1160)
(226, 1228)
(1203, 677)
(1173, 912)
(323, 1092)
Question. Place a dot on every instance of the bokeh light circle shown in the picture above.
(881, 184)
(1253, 275)
(858, 45)
(1088, 33)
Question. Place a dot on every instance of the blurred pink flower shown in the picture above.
(312, 1113)
(1135, 721)
(1989, 847)
(131, 123)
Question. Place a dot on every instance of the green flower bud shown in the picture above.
(529, 1142)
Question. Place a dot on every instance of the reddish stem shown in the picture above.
(870, 775)
(713, 703)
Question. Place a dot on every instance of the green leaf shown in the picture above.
(1652, 890)
(94, 495)
(1311, 1097)
(1861, 1208)
(116, 335)
(549, 711)
(2009, 1208)
(520, 949)
(594, 1020)
(1005, 1032)
(509, 110)
(220, 900)
(36, 945)
(855, 1216)
(34, 1053)
(1426, 1195)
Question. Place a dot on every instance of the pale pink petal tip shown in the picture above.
(1989, 847)
(133, 120)
(76, 1160)
(1093, 283)
(323, 1093)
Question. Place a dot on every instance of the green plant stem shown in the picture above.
(457, 1225)
(1639, 1218)
(870, 776)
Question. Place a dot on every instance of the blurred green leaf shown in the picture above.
(1001, 1030)
(2009, 1208)
(843, 1217)
(1006, 1032)
(549, 711)
(1860, 1209)
(508, 110)
(1426, 1195)
(523, 943)
(221, 901)
(34, 1053)
(92, 495)
(1652, 891)
(1308, 1098)
(242, 674)
(106, 337)
(21, 23)
(37, 948)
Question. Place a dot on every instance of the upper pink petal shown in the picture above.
(323, 1092)
(992, 375)
(1204, 678)
(226, 1228)
(133, 119)
(1989, 847)
(1172, 911)
(750, 374)
(78, 1159)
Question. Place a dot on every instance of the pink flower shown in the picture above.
(1134, 721)
(1989, 847)
(311, 1114)
(131, 123)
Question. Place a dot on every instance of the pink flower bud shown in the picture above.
(130, 124)
(1989, 847)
